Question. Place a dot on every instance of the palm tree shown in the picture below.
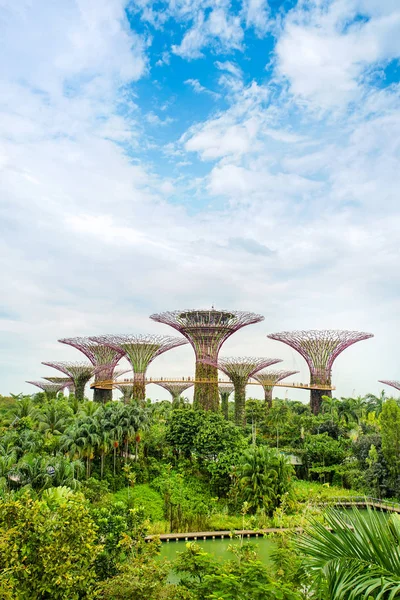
(357, 558)
(257, 478)
(54, 419)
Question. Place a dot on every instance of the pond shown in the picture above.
(219, 547)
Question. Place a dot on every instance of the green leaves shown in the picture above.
(359, 558)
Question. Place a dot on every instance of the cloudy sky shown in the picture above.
(156, 156)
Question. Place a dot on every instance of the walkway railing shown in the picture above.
(364, 501)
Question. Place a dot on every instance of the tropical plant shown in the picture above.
(356, 558)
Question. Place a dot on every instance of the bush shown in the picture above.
(144, 496)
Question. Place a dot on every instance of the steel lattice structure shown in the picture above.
(49, 388)
(206, 331)
(268, 379)
(176, 389)
(100, 355)
(225, 390)
(67, 381)
(239, 370)
(127, 392)
(394, 384)
(320, 348)
(80, 373)
(140, 351)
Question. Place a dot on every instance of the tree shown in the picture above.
(264, 476)
(390, 423)
(48, 550)
(356, 557)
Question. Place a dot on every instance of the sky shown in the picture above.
(188, 153)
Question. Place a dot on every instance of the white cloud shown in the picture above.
(219, 30)
(256, 14)
(200, 89)
(326, 54)
(230, 67)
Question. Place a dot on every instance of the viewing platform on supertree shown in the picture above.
(140, 351)
(394, 384)
(99, 355)
(269, 379)
(206, 331)
(225, 390)
(80, 373)
(175, 388)
(319, 348)
(50, 389)
(239, 370)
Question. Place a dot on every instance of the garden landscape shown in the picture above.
(199, 300)
(117, 497)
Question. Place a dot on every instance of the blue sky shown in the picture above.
(188, 153)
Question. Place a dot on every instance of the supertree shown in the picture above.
(239, 370)
(207, 330)
(80, 373)
(100, 355)
(127, 392)
(320, 348)
(50, 389)
(268, 379)
(140, 351)
(395, 384)
(176, 388)
(225, 390)
(68, 383)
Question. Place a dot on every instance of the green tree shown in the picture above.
(390, 424)
(264, 475)
(48, 551)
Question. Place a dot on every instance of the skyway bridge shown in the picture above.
(109, 384)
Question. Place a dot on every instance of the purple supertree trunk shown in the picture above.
(239, 370)
(140, 351)
(206, 331)
(320, 348)
(100, 355)
(268, 379)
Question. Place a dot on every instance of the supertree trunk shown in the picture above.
(268, 396)
(316, 399)
(240, 403)
(80, 390)
(139, 388)
(225, 404)
(102, 396)
(206, 395)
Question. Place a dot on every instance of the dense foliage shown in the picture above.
(82, 484)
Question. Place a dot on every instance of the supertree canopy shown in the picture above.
(51, 389)
(207, 330)
(66, 381)
(176, 388)
(140, 351)
(395, 384)
(320, 348)
(100, 355)
(268, 379)
(239, 370)
(225, 390)
(80, 373)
